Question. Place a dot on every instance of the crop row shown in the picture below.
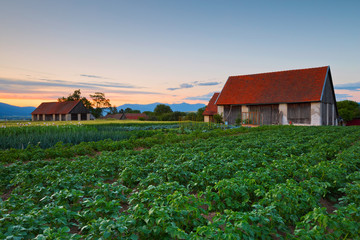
(47, 136)
(263, 184)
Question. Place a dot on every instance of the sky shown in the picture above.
(169, 51)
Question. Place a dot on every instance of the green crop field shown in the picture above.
(180, 182)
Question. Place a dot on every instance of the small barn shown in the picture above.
(127, 116)
(211, 109)
(300, 97)
(134, 116)
(354, 122)
(61, 111)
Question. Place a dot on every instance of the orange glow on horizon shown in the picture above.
(33, 100)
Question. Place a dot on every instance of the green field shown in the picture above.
(48, 134)
(186, 182)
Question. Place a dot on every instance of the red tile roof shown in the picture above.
(129, 116)
(135, 116)
(301, 85)
(211, 108)
(116, 116)
(55, 107)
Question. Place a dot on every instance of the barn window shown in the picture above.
(299, 112)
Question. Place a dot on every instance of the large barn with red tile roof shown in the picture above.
(61, 111)
(302, 96)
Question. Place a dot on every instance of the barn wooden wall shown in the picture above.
(299, 113)
(231, 113)
(269, 113)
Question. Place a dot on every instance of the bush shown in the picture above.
(218, 118)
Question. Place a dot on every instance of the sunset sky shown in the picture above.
(169, 51)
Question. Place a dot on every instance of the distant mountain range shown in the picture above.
(8, 111)
(13, 112)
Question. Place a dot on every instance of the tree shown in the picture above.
(162, 108)
(76, 96)
(348, 110)
(99, 102)
(191, 116)
(113, 110)
(129, 110)
(199, 114)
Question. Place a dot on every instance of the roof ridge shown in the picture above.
(300, 69)
(62, 102)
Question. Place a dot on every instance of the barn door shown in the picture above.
(265, 111)
(269, 113)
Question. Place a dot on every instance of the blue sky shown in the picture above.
(169, 51)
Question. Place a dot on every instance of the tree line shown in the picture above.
(162, 112)
(348, 110)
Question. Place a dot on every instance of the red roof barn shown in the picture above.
(302, 96)
(127, 116)
(61, 111)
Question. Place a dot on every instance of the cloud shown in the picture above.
(90, 85)
(348, 86)
(16, 84)
(342, 96)
(135, 92)
(91, 76)
(186, 85)
(208, 83)
(193, 84)
(182, 86)
(172, 89)
(205, 97)
(10, 83)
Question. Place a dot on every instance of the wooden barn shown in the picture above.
(211, 109)
(61, 111)
(300, 97)
(127, 116)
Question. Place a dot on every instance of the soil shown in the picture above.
(7, 194)
(330, 206)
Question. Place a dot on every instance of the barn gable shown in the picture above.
(329, 110)
(79, 108)
(211, 109)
